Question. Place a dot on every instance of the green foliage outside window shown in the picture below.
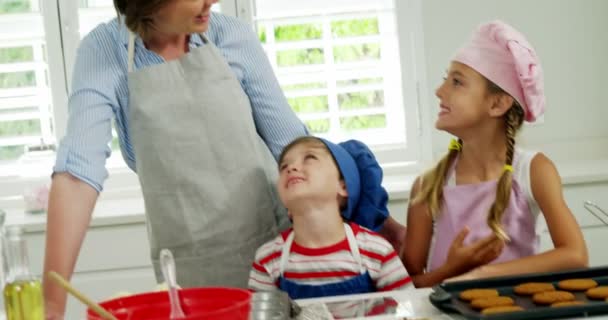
(363, 122)
(356, 27)
(262, 34)
(309, 104)
(17, 79)
(361, 81)
(304, 86)
(20, 54)
(20, 128)
(342, 54)
(298, 32)
(317, 126)
(11, 152)
(289, 58)
(14, 6)
(357, 52)
(360, 100)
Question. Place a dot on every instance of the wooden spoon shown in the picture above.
(103, 313)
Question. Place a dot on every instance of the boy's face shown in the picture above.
(308, 174)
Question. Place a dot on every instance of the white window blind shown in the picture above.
(25, 95)
(339, 64)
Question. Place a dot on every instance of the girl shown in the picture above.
(486, 189)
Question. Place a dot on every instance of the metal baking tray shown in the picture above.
(446, 296)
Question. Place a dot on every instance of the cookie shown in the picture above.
(473, 294)
(531, 288)
(568, 303)
(549, 297)
(598, 293)
(577, 284)
(484, 303)
(501, 309)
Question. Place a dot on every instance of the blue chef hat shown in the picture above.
(367, 199)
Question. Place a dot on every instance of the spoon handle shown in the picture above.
(167, 265)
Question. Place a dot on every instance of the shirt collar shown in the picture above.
(195, 39)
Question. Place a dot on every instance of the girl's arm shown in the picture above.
(570, 250)
(460, 258)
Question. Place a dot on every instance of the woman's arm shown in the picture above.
(80, 165)
(570, 250)
(394, 232)
(71, 203)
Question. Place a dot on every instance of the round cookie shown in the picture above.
(531, 288)
(484, 303)
(550, 297)
(473, 294)
(577, 284)
(501, 309)
(598, 292)
(568, 303)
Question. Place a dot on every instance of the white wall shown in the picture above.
(571, 38)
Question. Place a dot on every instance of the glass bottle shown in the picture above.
(22, 292)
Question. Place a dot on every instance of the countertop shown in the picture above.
(412, 304)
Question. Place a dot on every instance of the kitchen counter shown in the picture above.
(412, 304)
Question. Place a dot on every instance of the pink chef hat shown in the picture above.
(504, 56)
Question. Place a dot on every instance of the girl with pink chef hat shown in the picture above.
(474, 214)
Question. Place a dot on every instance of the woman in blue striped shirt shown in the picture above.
(200, 117)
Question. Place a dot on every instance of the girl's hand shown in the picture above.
(463, 258)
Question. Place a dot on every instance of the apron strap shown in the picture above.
(354, 248)
(285, 252)
(131, 51)
(350, 237)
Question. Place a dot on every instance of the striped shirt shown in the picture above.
(329, 264)
(99, 94)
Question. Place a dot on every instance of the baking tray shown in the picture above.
(446, 296)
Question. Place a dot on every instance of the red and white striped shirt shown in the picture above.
(329, 264)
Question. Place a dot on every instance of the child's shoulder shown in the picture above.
(271, 247)
(371, 240)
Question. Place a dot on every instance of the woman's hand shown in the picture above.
(463, 258)
(394, 233)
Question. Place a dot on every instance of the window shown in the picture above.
(340, 66)
(25, 95)
(346, 66)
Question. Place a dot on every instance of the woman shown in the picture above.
(199, 118)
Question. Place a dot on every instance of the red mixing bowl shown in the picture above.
(218, 303)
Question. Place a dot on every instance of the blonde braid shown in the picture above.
(513, 120)
(432, 181)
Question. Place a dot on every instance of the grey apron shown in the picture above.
(207, 177)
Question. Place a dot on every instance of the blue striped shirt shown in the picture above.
(100, 93)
